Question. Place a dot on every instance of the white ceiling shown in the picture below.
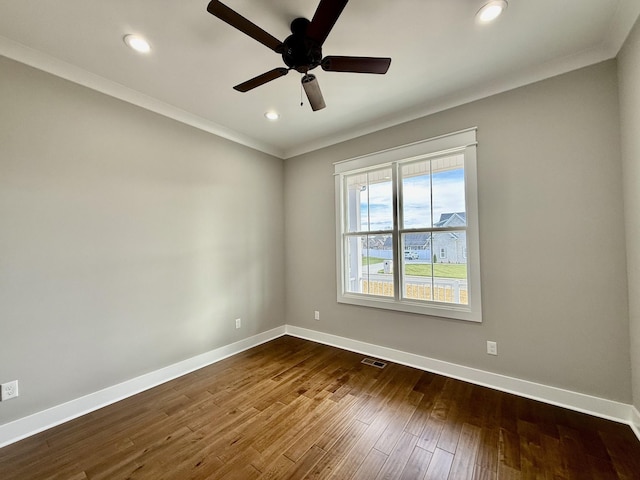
(441, 58)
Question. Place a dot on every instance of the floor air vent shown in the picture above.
(374, 363)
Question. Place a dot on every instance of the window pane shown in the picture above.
(450, 267)
(369, 201)
(417, 266)
(448, 192)
(416, 195)
(369, 264)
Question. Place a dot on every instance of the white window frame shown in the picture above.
(464, 142)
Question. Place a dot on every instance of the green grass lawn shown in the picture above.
(372, 260)
(442, 270)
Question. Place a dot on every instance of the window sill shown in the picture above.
(455, 312)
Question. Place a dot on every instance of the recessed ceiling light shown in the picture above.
(137, 43)
(272, 116)
(491, 10)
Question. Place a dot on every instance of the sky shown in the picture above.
(448, 197)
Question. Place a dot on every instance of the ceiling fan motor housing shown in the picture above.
(301, 52)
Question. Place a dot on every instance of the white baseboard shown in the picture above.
(38, 422)
(635, 421)
(599, 407)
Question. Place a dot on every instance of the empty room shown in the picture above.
(320, 239)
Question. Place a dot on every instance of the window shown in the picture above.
(407, 228)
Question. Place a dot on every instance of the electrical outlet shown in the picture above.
(9, 390)
(492, 348)
(238, 322)
(316, 315)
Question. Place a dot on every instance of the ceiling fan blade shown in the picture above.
(356, 64)
(236, 20)
(261, 79)
(324, 19)
(312, 89)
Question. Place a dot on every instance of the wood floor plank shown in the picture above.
(243, 437)
(363, 448)
(416, 467)
(622, 448)
(396, 426)
(573, 452)
(507, 473)
(277, 469)
(602, 469)
(421, 415)
(532, 460)
(487, 457)
(398, 458)
(294, 409)
(440, 465)
(451, 430)
(326, 424)
(465, 458)
(337, 452)
(282, 423)
(336, 431)
(481, 473)
(371, 466)
(554, 464)
(286, 433)
(305, 464)
(431, 434)
(509, 449)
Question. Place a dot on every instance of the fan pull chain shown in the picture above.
(301, 102)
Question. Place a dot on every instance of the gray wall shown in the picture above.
(128, 241)
(552, 240)
(629, 78)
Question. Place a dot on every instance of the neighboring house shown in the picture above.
(417, 241)
(448, 247)
(377, 241)
(451, 247)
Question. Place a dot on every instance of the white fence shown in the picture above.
(447, 290)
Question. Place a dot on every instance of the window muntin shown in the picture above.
(407, 229)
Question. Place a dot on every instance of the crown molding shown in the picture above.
(510, 82)
(624, 18)
(41, 61)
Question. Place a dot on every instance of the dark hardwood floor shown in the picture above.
(293, 409)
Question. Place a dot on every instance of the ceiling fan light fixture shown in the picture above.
(312, 89)
(137, 43)
(491, 10)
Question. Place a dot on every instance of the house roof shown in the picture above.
(451, 219)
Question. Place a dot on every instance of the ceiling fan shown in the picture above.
(302, 50)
